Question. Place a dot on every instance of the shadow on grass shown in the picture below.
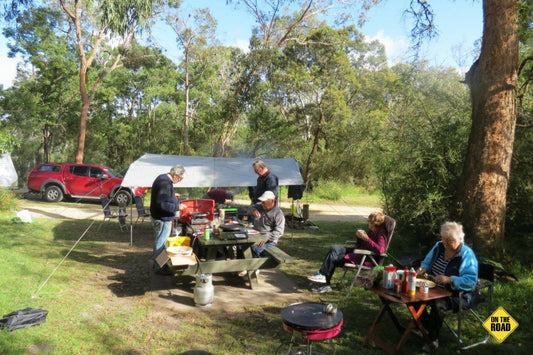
(132, 277)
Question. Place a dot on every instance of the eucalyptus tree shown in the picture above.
(194, 33)
(519, 218)
(492, 79)
(134, 111)
(97, 22)
(219, 70)
(41, 105)
(322, 83)
(493, 86)
(278, 22)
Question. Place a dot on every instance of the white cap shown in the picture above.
(267, 195)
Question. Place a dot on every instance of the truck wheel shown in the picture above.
(123, 198)
(53, 194)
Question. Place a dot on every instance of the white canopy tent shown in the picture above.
(209, 171)
(8, 174)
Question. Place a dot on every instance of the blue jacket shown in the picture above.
(163, 203)
(462, 268)
(267, 182)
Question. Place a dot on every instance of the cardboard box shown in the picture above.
(178, 260)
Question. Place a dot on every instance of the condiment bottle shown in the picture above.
(411, 283)
(404, 279)
(398, 285)
(216, 224)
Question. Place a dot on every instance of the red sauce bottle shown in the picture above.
(404, 280)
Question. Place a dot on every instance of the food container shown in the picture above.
(389, 274)
(180, 250)
(178, 241)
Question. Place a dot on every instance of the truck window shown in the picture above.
(50, 168)
(79, 170)
(96, 172)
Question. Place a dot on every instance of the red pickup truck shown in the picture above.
(84, 181)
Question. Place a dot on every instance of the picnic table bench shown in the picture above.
(274, 257)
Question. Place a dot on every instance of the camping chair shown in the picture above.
(485, 282)
(377, 259)
(295, 220)
(109, 214)
(142, 212)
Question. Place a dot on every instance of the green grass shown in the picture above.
(116, 316)
(323, 192)
(344, 194)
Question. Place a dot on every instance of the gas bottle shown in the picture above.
(203, 291)
(411, 283)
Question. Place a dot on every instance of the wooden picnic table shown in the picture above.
(212, 265)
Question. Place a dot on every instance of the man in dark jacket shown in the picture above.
(266, 181)
(163, 207)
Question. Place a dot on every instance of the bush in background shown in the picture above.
(328, 190)
(419, 157)
(8, 200)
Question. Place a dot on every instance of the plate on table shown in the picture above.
(430, 283)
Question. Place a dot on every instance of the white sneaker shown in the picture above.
(318, 278)
(243, 273)
(427, 349)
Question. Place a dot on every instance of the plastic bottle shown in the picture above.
(404, 279)
(411, 283)
(389, 274)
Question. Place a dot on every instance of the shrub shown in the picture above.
(328, 190)
(419, 156)
(8, 200)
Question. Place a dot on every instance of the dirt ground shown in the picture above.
(176, 294)
(317, 212)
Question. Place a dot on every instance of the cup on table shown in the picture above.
(424, 286)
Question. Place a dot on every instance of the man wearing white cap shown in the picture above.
(269, 221)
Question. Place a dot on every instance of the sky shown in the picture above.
(459, 24)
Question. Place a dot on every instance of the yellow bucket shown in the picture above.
(178, 241)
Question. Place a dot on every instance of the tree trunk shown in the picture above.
(314, 149)
(493, 84)
(186, 116)
(85, 103)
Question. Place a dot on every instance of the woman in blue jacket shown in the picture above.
(453, 265)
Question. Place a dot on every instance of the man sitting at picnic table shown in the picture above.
(269, 221)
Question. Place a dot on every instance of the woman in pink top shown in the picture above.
(373, 239)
